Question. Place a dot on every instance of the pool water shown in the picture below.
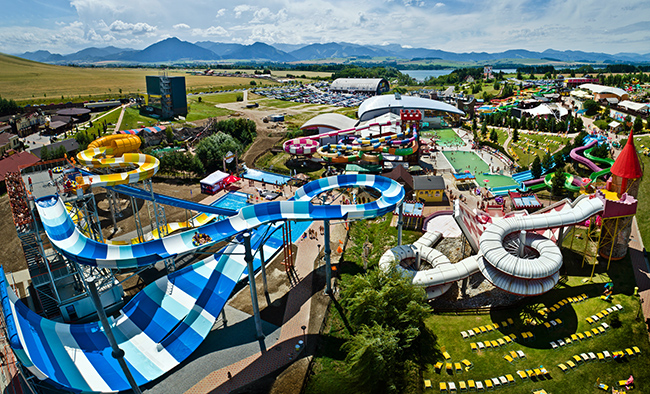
(412, 208)
(232, 200)
(469, 161)
(264, 176)
(448, 137)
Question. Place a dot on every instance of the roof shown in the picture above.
(5, 138)
(154, 129)
(330, 120)
(428, 182)
(547, 109)
(627, 163)
(73, 111)
(362, 84)
(215, 177)
(57, 124)
(634, 106)
(401, 173)
(603, 89)
(613, 124)
(386, 103)
(11, 163)
(70, 145)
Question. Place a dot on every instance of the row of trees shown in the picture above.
(504, 119)
(8, 107)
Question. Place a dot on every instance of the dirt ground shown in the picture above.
(13, 257)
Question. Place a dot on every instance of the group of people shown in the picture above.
(200, 238)
(313, 234)
(19, 208)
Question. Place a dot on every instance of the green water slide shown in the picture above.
(607, 161)
(568, 181)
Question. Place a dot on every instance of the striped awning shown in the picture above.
(154, 129)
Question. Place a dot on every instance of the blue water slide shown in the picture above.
(167, 200)
(164, 323)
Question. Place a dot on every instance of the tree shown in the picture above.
(386, 306)
(484, 130)
(557, 183)
(590, 107)
(45, 154)
(638, 125)
(169, 134)
(536, 168)
(494, 136)
(547, 161)
(372, 355)
(515, 134)
(213, 149)
(253, 83)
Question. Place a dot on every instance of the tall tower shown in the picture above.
(621, 203)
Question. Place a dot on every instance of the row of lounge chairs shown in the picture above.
(487, 328)
(602, 314)
(604, 356)
(580, 336)
(454, 368)
(494, 344)
(473, 385)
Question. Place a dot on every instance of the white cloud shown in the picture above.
(242, 8)
(212, 31)
(458, 26)
(134, 28)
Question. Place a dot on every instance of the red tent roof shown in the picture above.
(627, 163)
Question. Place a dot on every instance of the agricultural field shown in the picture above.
(29, 82)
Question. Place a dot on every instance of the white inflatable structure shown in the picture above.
(529, 270)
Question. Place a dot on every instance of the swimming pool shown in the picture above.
(264, 176)
(232, 200)
(448, 137)
(412, 208)
(469, 161)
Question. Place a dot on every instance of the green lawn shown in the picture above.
(204, 110)
(329, 362)
(643, 210)
(274, 103)
(133, 120)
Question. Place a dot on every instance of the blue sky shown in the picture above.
(65, 26)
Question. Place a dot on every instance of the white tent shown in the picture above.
(548, 109)
(213, 182)
(638, 107)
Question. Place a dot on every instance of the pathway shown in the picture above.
(119, 120)
(641, 269)
(296, 316)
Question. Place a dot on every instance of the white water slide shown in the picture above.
(535, 272)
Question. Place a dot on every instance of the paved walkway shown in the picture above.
(296, 315)
(641, 269)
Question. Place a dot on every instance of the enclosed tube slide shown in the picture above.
(163, 324)
(536, 275)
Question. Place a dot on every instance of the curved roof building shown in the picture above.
(379, 105)
(331, 121)
(605, 91)
(360, 85)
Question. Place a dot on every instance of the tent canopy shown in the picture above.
(214, 178)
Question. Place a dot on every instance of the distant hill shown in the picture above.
(175, 50)
(260, 51)
(169, 50)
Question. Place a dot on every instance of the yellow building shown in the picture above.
(428, 188)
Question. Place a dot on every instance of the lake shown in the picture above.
(421, 75)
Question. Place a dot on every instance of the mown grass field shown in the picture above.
(31, 82)
(329, 368)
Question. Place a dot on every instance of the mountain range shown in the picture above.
(173, 50)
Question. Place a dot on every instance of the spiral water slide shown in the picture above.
(537, 271)
(163, 324)
(533, 273)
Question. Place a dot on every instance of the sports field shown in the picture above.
(470, 161)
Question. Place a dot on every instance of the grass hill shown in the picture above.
(27, 81)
